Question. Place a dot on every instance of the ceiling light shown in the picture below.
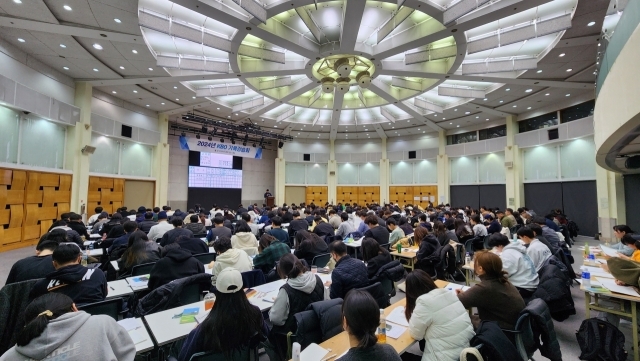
(151, 69)
(114, 92)
(177, 99)
(67, 7)
(236, 113)
(457, 126)
(134, 51)
(528, 90)
(485, 99)
(17, 1)
(502, 101)
(455, 110)
(547, 94)
(63, 46)
(508, 89)
(568, 95)
(21, 40)
(95, 69)
(487, 119)
(561, 55)
(117, 20)
(162, 103)
(528, 108)
(539, 71)
(122, 67)
(147, 104)
(592, 23)
(467, 112)
(175, 87)
(598, 44)
(97, 46)
(515, 106)
(228, 116)
(135, 91)
(568, 70)
(450, 123)
(476, 118)
(193, 97)
(219, 109)
(65, 67)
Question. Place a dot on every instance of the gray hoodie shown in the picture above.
(519, 266)
(279, 312)
(77, 336)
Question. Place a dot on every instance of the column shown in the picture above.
(280, 178)
(513, 166)
(78, 137)
(611, 202)
(443, 169)
(332, 181)
(384, 173)
(161, 162)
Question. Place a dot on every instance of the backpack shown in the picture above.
(599, 340)
(573, 229)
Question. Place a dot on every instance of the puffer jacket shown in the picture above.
(543, 330)
(244, 240)
(554, 290)
(392, 270)
(519, 267)
(440, 319)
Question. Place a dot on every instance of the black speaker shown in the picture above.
(632, 162)
(553, 134)
(307, 157)
(126, 131)
(412, 154)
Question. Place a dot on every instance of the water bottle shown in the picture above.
(90, 247)
(586, 277)
(586, 250)
(84, 259)
(209, 300)
(467, 259)
(295, 351)
(382, 328)
(399, 247)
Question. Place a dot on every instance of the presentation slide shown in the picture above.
(201, 177)
(216, 160)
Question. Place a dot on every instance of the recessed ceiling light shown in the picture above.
(236, 113)
(162, 103)
(467, 112)
(21, 40)
(219, 109)
(135, 91)
(485, 99)
(275, 126)
(94, 69)
(508, 89)
(476, 118)
(114, 92)
(134, 51)
(147, 104)
(568, 70)
(547, 94)
(177, 99)
(121, 67)
(528, 108)
(487, 119)
(97, 46)
(502, 101)
(450, 123)
(455, 110)
(63, 46)
(17, 1)
(444, 118)
(528, 90)
(175, 87)
(539, 71)
(568, 95)
(457, 126)
(151, 69)
(67, 7)
(561, 55)
(65, 67)
(195, 97)
(228, 116)
(117, 20)
(592, 23)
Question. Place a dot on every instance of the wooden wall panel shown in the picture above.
(29, 203)
(107, 193)
(358, 194)
(406, 194)
(317, 195)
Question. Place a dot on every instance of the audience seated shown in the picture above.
(177, 231)
(147, 223)
(194, 226)
(396, 232)
(56, 330)
(309, 245)
(270, 250)
(536, 250)
(632, 243)
(479, 230)
(75, 223)
(229, 257)
(346, 226)
(443, 234)
(620, 231)
(426, 242)
(374, 256)
(462, 230)
(103, 218)
(94, 218)
(405, 226)
(40, 265)
(437, 316)
(140, 250)
(322, 228)
(193, 245)
(379, 233)
(218, 230)
(174, 263)
(494, 226)
(157, 232)
(116, 220)
(424, 222)
(519, 267)
(129, 227)
(548, 233)
(231, 312)
(495, 297)
(278, 232)
(361, 318)
(252, 226)
(243, 238)
(82, 284)
(297, 224)
(348, 274)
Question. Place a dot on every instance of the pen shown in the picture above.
(113, 289)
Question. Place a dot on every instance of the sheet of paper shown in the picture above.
(454, 286)
(397, 316)
(598, 272)
(313, 352)
(609, 251)
(268, 287)
(395, 331)
(129, 323)
(611, 285)
(200, 318)
(138, 336)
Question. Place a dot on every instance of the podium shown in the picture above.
(270, 201)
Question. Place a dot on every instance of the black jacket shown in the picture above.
(406, 228)
(374, 264)
(168, 296)
(194, 245)
(30, 268)
(145, 226)
(79, 227)
(496, 345)
(172, 235)
(106, 229)
(83, 285)
(379, 233)
(542, 326)
(321, 321)
(349, 273)
(287, 217)
(427, 247)
(553, 288)
(13, 300)
(393, 270)
(323, 229)
(307, 249)
(296, 225)
(177, 263)
(242, 210)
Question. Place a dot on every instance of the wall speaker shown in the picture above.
(87, 149)
(126, 131)
(632, 162)
(553, 134)
(306, 157)
(412, 154)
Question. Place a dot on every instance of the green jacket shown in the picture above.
(625, 270)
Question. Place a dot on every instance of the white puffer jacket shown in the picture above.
(442, 321)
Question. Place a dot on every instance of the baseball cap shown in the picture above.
(229, 280)
(488, 216)
(162, 215)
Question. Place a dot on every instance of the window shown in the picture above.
(367, 173)
(579, 111)
(113, 156)
(538, 122)
(10, 125)
(305, 173)
(42, 143)
(495, 132)
(414, 172)
(462, 138)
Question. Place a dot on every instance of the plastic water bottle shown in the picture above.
(209, 300)
(84, 259)
(90, 247)
(295, 351)
(382, 328)
(586, 250)
(467, 259)
(586, 277)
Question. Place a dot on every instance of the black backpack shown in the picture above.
(600, 341)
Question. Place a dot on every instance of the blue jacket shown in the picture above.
(551, 224)
(122, 240)
(349, 273)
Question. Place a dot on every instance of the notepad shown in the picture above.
(397, 316)
(129, 323)
(396, 331)
(609, 251)
(139, 282)
(313, 352)
(138, 336)
(613, 287)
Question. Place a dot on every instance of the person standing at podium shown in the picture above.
(267, 194)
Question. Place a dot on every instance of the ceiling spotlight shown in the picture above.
(197, 136)
(175, 87)
(568, 95)
(528, 90)
(151, 69)
(342, 67)
(327, 84)
(134, 51)
(592, 23)
(67, 7)
(95, 69)
(547, 94)
(117, 20)
(568, 70)
(65, 67)
(561, 55)
(161, 103)
(528, 108)
(515, 106)
(135, 91)
(343, 85)
(121, 67)
(539, 71)
(97, 46)
(147, 104)
(114, 92)
(63, 46)
(17, 1)
(21, 40)
(364, 79)
(508, 89)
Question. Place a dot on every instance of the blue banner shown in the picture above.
(199, 145)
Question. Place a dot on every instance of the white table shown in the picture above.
(95, 252)
(95, 236)
(355, 245)
(118, 288)
(165, 329)
(87, 243)
(115, 265)
(139, 331)
(270, 290)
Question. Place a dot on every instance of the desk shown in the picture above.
(95, 236)
(408, 255)
(355, 245)
(270, 290)
(139, 332)
(165, 329)
(118, 288)
(94, 252)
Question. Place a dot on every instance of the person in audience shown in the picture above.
(334, 219)
(437, 316)
(620, 231)
(243, 238)
(187, 218)
(75, 223)
(82, 284)
(194, 226)
(174, 263)
(194, 245)
(297, 224)
(309, 245)
(462, 230)
(322, 228)
(231, 312)
(507, 221)
(379, 233)
(361, 318)
(349, 273)
(550, 220)
(494, 226)
(270, 250)
(72, 236)
(157, 232)
(129, 227)
(443, 234)
(55, 330)
(94, 218)
(218, 230)
(241, 210)
(147, 223)
(103, 218)
(537, 232)
(479, 230)
(495, 297)
(407, 229)
(536, 250)
(374, 256)
(396, 232)
(632, 243)
(301, 289)
(549, 234)
(277, 232)
(427, 242)
(346, 227)
(177, 231)
(202, 218)
(254, 227)
(308, 216)
(40, 265)
(519, 267)
(140, 250)
(229, 257)
(116, 220)
(362, 226)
